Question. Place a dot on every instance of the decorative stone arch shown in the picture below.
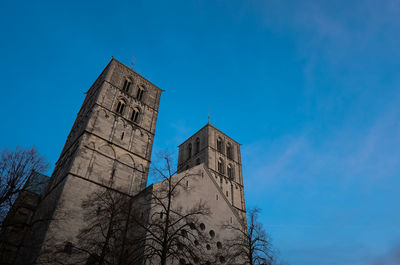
(120, 105)
(127, 83)
(91, 145)
(141, 91)
(127, 159)
(136, 114)
(107, 150)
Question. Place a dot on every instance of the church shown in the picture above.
(182, 219)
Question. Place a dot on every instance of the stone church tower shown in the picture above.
(109, 148)
(109, 145)
(221, 155)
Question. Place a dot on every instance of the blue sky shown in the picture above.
(311, 89)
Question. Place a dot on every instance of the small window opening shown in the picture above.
(229, 152)
(112, 173)
(161, 215)
(227, 194)
(68, 248)
(197, 145)
(126, 86)
(140, 93)
(120, 107)
(202, 227)
(189, 149)
(221, 166)
(212, 233)
(230, 171)
(98, 211)
(222, 259)
(219, 245)
(219, 144)
(208, 246)
(216, 197)
(135, 115)
(122, 136)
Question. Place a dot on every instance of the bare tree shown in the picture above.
(171, 232)
(20, 187)
(104, 238)
(151, 227)
(15, 169)
(250, 246)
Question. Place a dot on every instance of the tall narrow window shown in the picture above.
(189, 149)
(229, 153)
(197, 145)
(120, 107)
(221, 166)
(127, 85)
(230, 171)
(140, 93)
(135, 115)
(219, 144)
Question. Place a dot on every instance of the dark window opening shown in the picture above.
(230, 171)
(140, 92)
(189, 149)
(221, 166)
(219, 145)
(126, 86)
(197, 146)
(219, 245)
(135, 115)
(212, 233)
(68, 248)
(120, 107)
(229, 153)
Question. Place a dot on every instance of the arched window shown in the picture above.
(127, 85)
(229, 150)
(197, 145)
(221, 166)
(219, 145)
(135, 115)
(140, 92)
(189, 149)
(120, 107)
(230, 171)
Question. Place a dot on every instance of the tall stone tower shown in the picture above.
(109, 146)
(221, 155)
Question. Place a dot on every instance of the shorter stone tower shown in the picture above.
(221, 155)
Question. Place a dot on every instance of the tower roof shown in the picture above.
(211, 126)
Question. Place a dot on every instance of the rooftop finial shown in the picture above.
(208, 116)
(133, 61)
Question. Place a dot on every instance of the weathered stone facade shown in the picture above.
(109, 147)
(106, 147)
(221, 155)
